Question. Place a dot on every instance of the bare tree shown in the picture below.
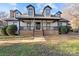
(3, 14)
(71, 13)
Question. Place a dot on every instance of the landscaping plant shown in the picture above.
(63, 29)
(3, 30)
(11, 29)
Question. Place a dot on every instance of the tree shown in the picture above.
(3, 14)
(71, 13)
(75, 22)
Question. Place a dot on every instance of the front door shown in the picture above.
(37, 24)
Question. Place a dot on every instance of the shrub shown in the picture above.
(75, 30)
(3, 30)
(11, 29)
(63, 29)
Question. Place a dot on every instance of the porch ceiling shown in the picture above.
(38, 18)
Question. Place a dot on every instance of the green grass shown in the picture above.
(24, 49)
(67, 48)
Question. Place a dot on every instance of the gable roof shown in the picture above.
(30, 6)
(18, 11)
(59, 12)
(47, 7)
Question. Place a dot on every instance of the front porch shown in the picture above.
(39, 26)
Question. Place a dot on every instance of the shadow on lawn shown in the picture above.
(55, 46)
(32, 49)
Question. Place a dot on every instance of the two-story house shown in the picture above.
(36, 24)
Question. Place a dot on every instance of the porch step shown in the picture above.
(38, 33)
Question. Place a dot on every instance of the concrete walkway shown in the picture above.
(36, 39)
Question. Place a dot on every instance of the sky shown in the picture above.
(38, 7)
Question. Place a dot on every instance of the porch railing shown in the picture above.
(33, 28)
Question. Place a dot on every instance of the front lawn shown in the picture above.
(69, 47)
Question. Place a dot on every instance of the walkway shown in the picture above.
(36, 39)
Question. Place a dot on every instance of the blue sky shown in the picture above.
(38, 7)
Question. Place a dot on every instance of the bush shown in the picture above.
(63, 29)
(11, 29)
(3, 30)
(76, 30)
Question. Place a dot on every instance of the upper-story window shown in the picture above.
(18, 12)
(31, 10)
(58, 14)
(47, 11)
(14, 13)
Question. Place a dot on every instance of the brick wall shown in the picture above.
(38, 33)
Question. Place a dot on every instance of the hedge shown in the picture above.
(3, 30)
(64, 29)
(11, 29)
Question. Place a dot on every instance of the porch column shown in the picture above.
(42, 28)
(7, 23)
(46, 24)
(19, 27)
(52, 26)
(30, 25)
(58, 25)
(33, 28)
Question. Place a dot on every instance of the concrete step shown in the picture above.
(39, 38)
(38, 33)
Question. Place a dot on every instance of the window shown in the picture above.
(14, 22)
(28, 25)
(48, 26)
(17, 13)
(47, 12)
(58, 13)
(30, 12)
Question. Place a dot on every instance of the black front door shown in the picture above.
(37, 25)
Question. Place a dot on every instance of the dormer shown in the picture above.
(17, 12)
(14, 13)
(47, 11)
(31, 10)
(58, 14)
